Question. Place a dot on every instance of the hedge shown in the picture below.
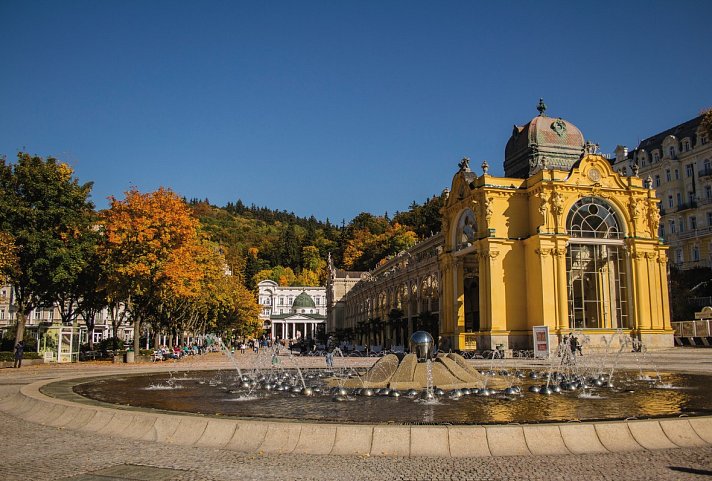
(10, 356)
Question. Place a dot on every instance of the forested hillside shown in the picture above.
(260, 243)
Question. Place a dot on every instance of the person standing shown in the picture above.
(19, 352)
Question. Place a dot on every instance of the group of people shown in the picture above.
(573, 345)
(177, 352)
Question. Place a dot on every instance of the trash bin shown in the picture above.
(129, 356)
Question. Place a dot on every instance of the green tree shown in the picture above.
(289, 250)
(43, 206)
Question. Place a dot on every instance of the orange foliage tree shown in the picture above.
(147, 244)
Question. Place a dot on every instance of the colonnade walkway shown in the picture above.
(36, 450)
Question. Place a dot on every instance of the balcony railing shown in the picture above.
(706, 172)
(694, 233)
(686, 206)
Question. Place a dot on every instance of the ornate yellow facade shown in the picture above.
(568, 250)
(562, 240)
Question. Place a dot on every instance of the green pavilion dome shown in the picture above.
(303, 300)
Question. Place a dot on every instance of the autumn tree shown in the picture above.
(8, 256)
(43, 206)
(145, 239)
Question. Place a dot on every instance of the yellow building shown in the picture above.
(561, 241)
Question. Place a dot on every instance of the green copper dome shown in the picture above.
(303, 300)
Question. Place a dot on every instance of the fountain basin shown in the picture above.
(218, 392)
(63, 408)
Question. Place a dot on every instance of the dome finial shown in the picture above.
(541, 107)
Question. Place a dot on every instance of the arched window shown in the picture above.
(597, 274)
(592, 217)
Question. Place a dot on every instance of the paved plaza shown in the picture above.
(33, 451)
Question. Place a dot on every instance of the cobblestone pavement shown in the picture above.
(35, 452)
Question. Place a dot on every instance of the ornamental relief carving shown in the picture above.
(558, 252)
(557, 203)
(488, 209)
(653, 219)
(651, 255)
(543, 252)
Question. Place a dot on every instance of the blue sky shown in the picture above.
(333, 108)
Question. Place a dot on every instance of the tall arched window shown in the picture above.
(596, 269)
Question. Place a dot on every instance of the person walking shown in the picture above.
(19, 352)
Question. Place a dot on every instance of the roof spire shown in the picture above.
(541, 107)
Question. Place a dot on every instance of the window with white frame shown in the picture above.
(596, 272)
(688, 170)
(657, 180)
(672, 226)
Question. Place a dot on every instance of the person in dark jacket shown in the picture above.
(19, 352)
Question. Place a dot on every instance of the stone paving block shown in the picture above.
(468, 441)
(30, 409)
(581, 439)
(81, 419)
(616, 437)
(189, 430)
(98, 421)
(248, 436)
(391, 441)
(11, 403)
(681, 433)
(703, 428)
(163, 429)
(544, 440)
(52, 411)
(118, 423)
(353, 440)
(139, 427)
(650, 435)
(69, 413)
(506, 441)
(429, 441)
(316, 439)
(280, 438)
(217, 433)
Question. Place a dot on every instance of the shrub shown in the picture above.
(108, 344)
(10, 355)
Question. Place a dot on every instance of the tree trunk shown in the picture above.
(21, 320)
(137, 337)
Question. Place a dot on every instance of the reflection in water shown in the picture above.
(220, 392)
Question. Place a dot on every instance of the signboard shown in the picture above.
(541, 341)
(705, 313)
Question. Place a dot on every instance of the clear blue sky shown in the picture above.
(332, 108)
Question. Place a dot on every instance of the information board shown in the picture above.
(541, 341)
